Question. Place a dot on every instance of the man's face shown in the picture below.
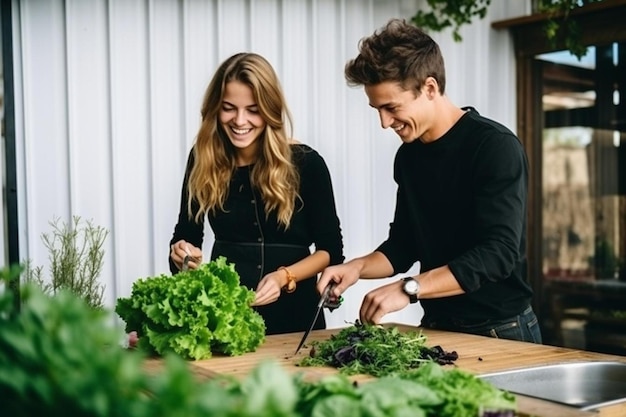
(407, 114)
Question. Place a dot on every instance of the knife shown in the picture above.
(186, 260)
(324, 302)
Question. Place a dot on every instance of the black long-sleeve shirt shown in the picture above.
(461, 201)
(257, 245)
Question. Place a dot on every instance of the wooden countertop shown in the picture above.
(477, 354)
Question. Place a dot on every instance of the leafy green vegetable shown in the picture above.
(463, 393)
(194, 313)
(428, 391)
(375, 350)
(59, 356)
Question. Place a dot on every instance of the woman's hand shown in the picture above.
(180, 249)
(269, 288)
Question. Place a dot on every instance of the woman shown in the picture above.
(268, 199)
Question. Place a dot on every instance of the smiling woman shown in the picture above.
(241, 120)
(267, 199)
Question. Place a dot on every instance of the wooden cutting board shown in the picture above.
(477, 354)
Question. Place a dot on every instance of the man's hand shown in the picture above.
(344, 276)
(381, 301)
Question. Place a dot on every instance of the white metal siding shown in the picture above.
(107, 107)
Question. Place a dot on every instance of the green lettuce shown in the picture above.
(194, 313)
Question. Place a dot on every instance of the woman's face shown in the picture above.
(240, 118)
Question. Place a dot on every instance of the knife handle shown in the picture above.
(331, 305)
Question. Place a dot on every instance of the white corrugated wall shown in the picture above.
(107, 107)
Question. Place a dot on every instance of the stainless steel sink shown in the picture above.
(585, 385)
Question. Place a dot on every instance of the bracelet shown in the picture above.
(291, 280)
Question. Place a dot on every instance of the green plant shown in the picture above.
(60, 357)
(194, 313)
(559, 22)
(453, 14)
(75, 252)
(450, 14)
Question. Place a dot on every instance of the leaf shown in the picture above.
(337, 405)
(390, 393)
(269, 391)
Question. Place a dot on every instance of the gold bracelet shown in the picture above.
(291, 280)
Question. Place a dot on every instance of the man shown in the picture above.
(460, 205)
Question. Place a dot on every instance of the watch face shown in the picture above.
(411, 287)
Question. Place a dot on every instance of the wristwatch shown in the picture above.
(411, 288)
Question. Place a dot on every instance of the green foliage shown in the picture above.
(59, 356)
(463, 394)
(194, 313)
(10, 277)
(76, 259)
(428, 391)
(559, 23)
(453, 14)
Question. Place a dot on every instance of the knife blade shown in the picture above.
(324, 302)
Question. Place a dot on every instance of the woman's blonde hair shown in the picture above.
(274, 173)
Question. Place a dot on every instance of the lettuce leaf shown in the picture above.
(195, 313)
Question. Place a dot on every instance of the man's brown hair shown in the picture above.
(398, 52)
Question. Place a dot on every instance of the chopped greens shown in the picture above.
(194, 313)
(375, 350)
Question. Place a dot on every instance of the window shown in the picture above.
(572, 121)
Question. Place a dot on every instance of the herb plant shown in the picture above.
(194, 313)
(375, 350)
(76, 253)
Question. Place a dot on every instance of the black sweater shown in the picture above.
(461, 201)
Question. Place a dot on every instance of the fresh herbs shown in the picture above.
(412, 380)
(58, 356)
(76, 253)
(194, 313)
(463, 393)
(375, 350)
(427, 391)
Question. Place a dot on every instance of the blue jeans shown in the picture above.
(523, 327)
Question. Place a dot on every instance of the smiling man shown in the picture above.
(461, 199)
